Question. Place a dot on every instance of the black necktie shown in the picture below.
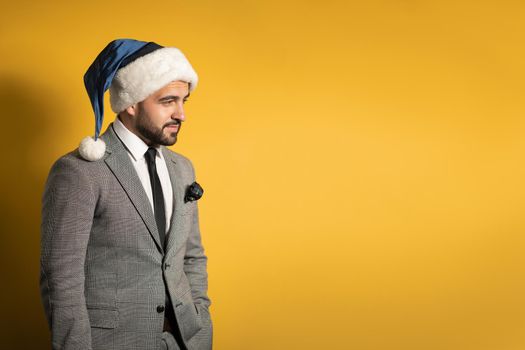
(158, 197)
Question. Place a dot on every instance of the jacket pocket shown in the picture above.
(190, 319)
(187, 208)
(103, 317)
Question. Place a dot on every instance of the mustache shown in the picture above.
(174, 122)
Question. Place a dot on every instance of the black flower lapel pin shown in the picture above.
(193, 192)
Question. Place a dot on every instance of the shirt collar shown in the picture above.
(134, 144)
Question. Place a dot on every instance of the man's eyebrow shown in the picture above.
(172, 97)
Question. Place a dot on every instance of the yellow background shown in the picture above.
(362, 163)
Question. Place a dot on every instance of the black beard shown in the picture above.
(156, 136)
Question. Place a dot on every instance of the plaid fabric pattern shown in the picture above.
(103, 271)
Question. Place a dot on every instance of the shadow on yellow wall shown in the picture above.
(28, 112)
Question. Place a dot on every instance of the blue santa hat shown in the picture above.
(131, 70)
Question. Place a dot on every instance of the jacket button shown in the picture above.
(160, 309)
(166, 266)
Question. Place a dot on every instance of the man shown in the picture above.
(122, 264)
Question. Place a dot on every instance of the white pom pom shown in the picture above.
(92, 150)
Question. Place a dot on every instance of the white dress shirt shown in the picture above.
(136, 150)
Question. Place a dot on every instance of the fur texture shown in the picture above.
(147, 74)
(92, 150)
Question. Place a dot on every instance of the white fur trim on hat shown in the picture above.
(147, 74)
(92, 150)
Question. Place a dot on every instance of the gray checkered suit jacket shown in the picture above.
(102, 264)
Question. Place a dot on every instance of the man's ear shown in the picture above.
(132, 110)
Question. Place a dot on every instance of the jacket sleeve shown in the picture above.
(195, 261)
(67, 214)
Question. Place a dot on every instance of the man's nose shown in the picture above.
(179, 114)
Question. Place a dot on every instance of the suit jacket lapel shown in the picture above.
(178, 200)
(120, 164)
